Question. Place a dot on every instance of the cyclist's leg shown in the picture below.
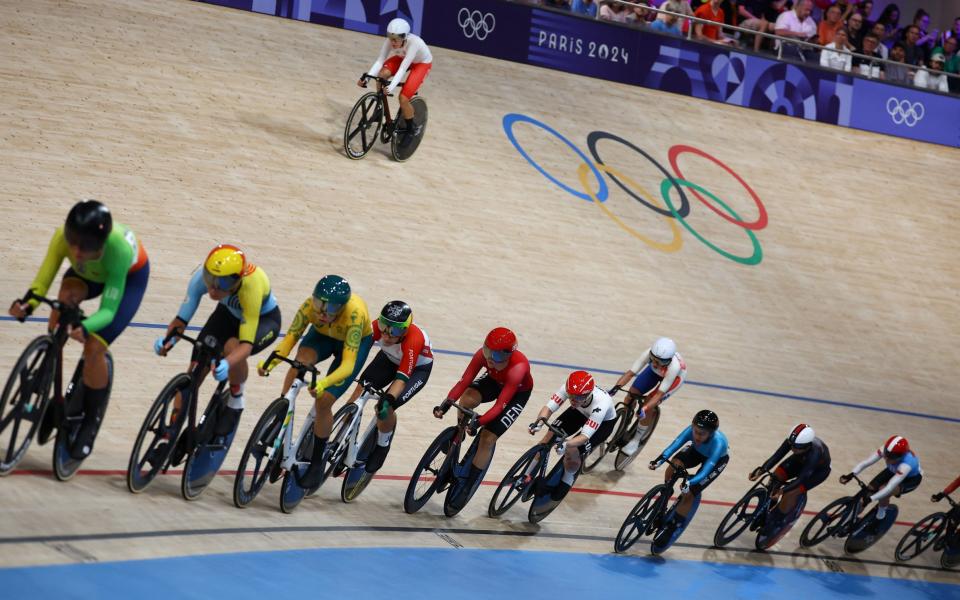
(415, 76)
(268, 328)
(569, 422)
(643, 384)
(697, 489)
(493, 430)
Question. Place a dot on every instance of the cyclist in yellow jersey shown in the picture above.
(246, 320)
(339, 327)
(106, 260)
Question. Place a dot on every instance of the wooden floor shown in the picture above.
(200, 125)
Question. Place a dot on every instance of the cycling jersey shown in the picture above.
(413, 50)
(671, 375)
(813, 460)
(413, 350)
(513, 378)
(351, 327)
(908, 466)
(122, 254)
(252, 299)
(714, 449)
(597, 412)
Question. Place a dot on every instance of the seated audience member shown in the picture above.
(856, 30)
(669, 24)
(710, 11)
(639, 15)
(612, 10)
(873, 69)
(865, 8)
(798, 24)
(760, 15)
(949, 52)
(890, 17)
(829, 25)
(914, 54)
(680, 7)
(927, 38)
(830, 58)
(584, 7)
(899, 72)
(877, 30)
(935, 79)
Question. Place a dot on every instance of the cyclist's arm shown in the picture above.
(251, 294)
(476, 363)
(902, 472)
(56, 252)
(952, 487)
(415, 46)
(718, 448)
(869, 461)
(673, 371)
(351, 349)
(378, 64)
(117, 258)
(410, 350)
(196, 288)
(685, 436)
(515, 376)
(809, 466)
(777, 456)
(634, 369)
(556, 400)
(299, 325)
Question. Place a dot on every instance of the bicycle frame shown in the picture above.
(284, 442)
(352, 439)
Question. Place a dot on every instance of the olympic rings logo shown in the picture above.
(476, 24)
(905, 112)
(671, 181)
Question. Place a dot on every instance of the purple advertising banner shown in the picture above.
(560, 41)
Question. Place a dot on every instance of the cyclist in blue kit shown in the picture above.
(709, 449)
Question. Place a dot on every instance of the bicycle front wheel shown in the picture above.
(24, 401)
(739, 517)
(363, 125)
(921, 536)
(639, 519)
(825, 523)
(426, 477)
(509, 491)
(262, 440)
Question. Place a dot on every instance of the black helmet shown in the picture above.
(707, 419)
(396, 317)
(88, 225)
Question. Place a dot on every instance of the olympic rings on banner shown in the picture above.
(757, 255)
(510, 119)
(673, 246)
(596, 136)
(675, 180)
(679, 149)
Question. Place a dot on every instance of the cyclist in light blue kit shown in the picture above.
(708, 448)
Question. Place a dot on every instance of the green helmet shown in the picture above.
(332, 289)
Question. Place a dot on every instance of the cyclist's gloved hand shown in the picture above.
(221, 370)
(535, 426)
(755, 474)
(439, 411)
(656, 462)
(473, 427)
(163, 345)
(318, 388)
(684, 487)
(561, 447)
(937, 497)
(383, 406)
(845, 479)
(613, 391)
(264, 368)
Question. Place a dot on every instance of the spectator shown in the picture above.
(760, 15)
(710, 11)
(922, 20)
(935, 79)
(796, 23)
(898, 73)
(878, 31)
(829, 26)
(612, 10)
(890, 17)
(955, 32)
(668, 24)
(865, 8)
(856, 29)
(584, 7)
(949, 52)
(558, 4)
(873, 69)
(639, 13)
(915, 54)
(675, 6)
(830, 58)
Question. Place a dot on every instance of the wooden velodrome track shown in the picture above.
(199, 125)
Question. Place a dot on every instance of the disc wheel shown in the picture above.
(402, 149)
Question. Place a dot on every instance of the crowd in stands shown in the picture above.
(921, 55)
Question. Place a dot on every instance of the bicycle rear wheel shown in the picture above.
(921, 536)
(739, 517)
(508, 492)
(25, 400)
(825, 522)
(426, 477)
(262, 440)
(622, 460)
(402, 147)
(356, 479)
(363, 125)
(65, 466)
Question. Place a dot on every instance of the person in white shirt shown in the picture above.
(935, 80)
(796, 23)
(403, 51)
(830, 58)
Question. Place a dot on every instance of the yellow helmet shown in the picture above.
(224, 268)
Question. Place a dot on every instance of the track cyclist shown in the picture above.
(591, 412)
(507, 381)
(657, 374)
(709, 448)
(805, 469)
(106, 260)
(404, 362)
(245, 321)
(947, 490)
(403, 51)
(902, 475)
(339, 328)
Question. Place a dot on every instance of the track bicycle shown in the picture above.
(651, 515)
(841, 519)
(757, 511)
(628, 419)
(939, 531)
(370, 120)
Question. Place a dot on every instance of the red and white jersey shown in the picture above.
(671, 375)
(414, 50)
(412, 351)
(599, 410)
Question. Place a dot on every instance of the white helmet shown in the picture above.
(802, 436)
(399, 27)
(663, 349)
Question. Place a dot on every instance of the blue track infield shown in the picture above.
(424, 573)
(717, 386)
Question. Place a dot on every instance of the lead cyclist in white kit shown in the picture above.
(403, 51)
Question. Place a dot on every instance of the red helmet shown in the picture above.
(500, 343)
(580, 383)
(896, 447)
